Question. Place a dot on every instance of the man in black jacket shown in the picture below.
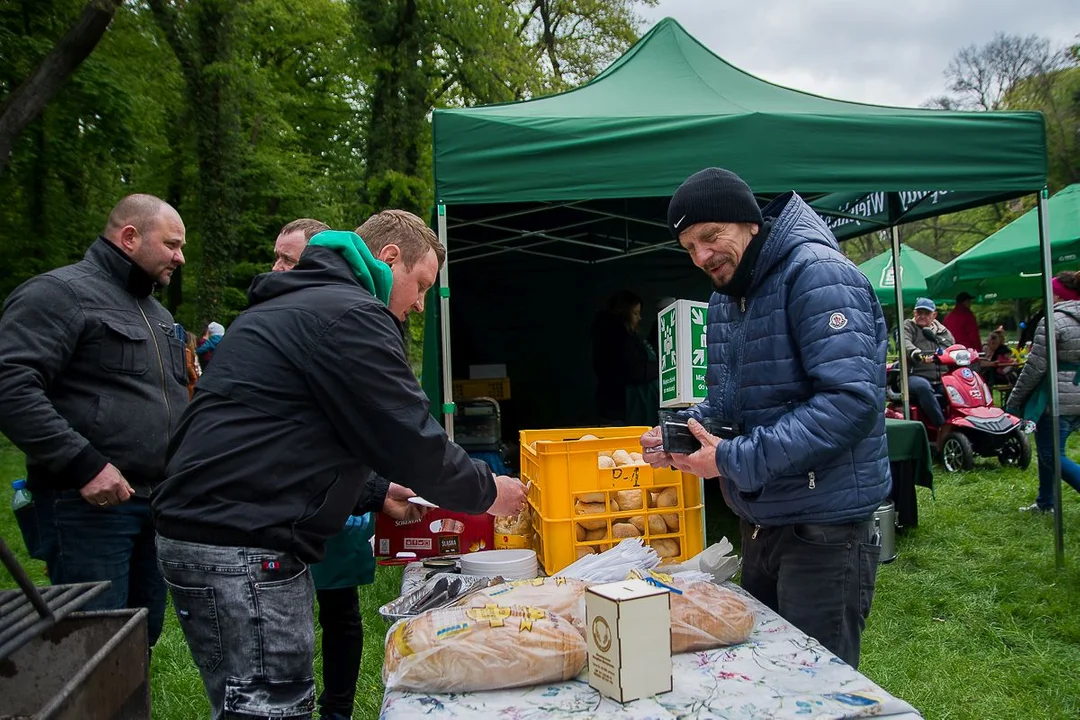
(309, 392)
(92, 379)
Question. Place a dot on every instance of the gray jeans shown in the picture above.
(820, 578)
(247, 616)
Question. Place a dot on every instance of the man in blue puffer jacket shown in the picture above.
(796, 343)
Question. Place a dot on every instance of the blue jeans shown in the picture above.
(1070, 471)
(81, 543)
(923, 393)
(248, 618)
(820, 578)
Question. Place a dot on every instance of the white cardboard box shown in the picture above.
(683, 354)
(487, 372)
(629, 637)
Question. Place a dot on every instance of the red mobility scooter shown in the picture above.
(973, 426)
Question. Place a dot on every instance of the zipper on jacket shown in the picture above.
(813, 480)
(742, 304)
(756, 529)
(161, 366)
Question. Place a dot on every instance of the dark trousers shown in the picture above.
(820, 578)
(247, 616)
(922, 391)
(81, 543)
(342, 648)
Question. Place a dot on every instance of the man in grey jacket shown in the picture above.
(923, 335)
(92, 380)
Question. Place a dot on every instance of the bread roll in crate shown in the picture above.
(590, 487)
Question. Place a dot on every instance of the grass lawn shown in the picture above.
(971, 621)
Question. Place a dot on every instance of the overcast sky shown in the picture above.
(878, 51)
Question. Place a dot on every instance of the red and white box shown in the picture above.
(440, 532)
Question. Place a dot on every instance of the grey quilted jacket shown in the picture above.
(1067, 333)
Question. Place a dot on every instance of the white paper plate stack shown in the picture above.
(511, 564)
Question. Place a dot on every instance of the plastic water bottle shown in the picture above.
(22, 497)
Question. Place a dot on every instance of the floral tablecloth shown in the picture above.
(779, 673)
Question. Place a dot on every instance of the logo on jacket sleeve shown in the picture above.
(837, 321)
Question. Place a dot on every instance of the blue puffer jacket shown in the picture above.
(800, 363)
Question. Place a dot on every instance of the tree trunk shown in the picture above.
(28, 100)
(209, 45)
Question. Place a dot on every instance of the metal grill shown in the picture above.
(27, 612)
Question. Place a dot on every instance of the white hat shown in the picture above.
(215, 329)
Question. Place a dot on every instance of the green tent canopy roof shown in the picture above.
(915, 267)
(669, 107)
(1008, 264)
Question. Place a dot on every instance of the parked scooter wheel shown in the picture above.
(957, 453)
(1016, 452)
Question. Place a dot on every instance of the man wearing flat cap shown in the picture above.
(796, 350)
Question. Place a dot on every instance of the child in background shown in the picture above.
(349, 563)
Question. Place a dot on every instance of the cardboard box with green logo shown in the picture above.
(683, 354)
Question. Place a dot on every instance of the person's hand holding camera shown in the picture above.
(701, 462)
(652, 448)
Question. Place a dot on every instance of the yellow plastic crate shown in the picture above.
(560, 469)
(556, 543)
(495, 388)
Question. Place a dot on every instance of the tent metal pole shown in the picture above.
(1051, 373)
(444, 318)
(898, 285)
(517, 213)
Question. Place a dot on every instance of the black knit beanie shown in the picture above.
(712, 195)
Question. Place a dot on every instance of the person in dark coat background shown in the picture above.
(627, 391)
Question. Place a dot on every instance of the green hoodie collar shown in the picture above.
(374, 275)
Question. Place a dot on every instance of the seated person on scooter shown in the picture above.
(923, 335)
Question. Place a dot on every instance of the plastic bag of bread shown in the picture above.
(469, 649)
(519, 524)
(707, 616)
(564, 597)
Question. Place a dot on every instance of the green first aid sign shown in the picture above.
(683, 355)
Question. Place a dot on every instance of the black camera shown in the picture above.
(679, 440)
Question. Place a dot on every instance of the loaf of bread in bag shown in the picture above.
(469, 649)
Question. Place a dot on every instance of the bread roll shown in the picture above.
(666, 547)
(707, 616)
(638, 521)
(629, 499)
(586, 550)
(637, 458)
(621, 457)
(672, 521)
(657, 526)
(593, 497)
(668, 497)
(581, 508)
(471, 649)
(604, 462)
(580, 532)
(598, 534)
(604, 453)
(624, 530)
(588, 437)
(614, 505)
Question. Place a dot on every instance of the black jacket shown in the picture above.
(90, 372)
(309, 391)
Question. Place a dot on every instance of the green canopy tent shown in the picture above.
(1008, 264)
(541, 203)
(915, 267)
